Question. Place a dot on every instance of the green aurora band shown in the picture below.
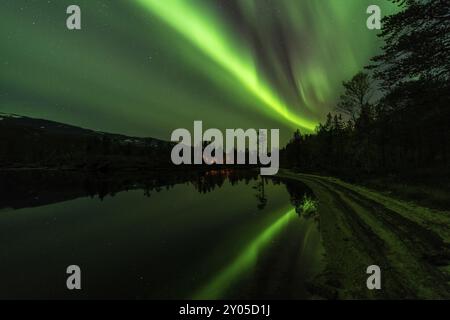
(146, 67)
(194, 25)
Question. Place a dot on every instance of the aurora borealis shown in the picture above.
(146, 67)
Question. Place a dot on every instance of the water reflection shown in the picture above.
(246, 259)
(167, 235)
(29, 188)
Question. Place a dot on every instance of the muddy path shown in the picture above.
(360, 227)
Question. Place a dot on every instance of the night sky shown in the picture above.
(147, 67)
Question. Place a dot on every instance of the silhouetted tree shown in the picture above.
(356, 95)
(417, 44)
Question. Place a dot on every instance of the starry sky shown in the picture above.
(147, 67)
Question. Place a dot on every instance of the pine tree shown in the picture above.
(417, 44)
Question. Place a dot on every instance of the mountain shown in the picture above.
(30, 142)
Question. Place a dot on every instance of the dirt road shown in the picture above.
(360, 227)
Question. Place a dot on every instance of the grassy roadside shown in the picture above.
(430, 195)
(361, 227)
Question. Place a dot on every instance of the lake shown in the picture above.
(205, 235)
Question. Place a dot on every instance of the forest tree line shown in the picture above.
(405, 131)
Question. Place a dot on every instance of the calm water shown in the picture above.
(214, 235)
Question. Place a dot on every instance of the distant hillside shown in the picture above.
(29, 142)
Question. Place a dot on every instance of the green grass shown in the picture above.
(435, 197)
(308, 206)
